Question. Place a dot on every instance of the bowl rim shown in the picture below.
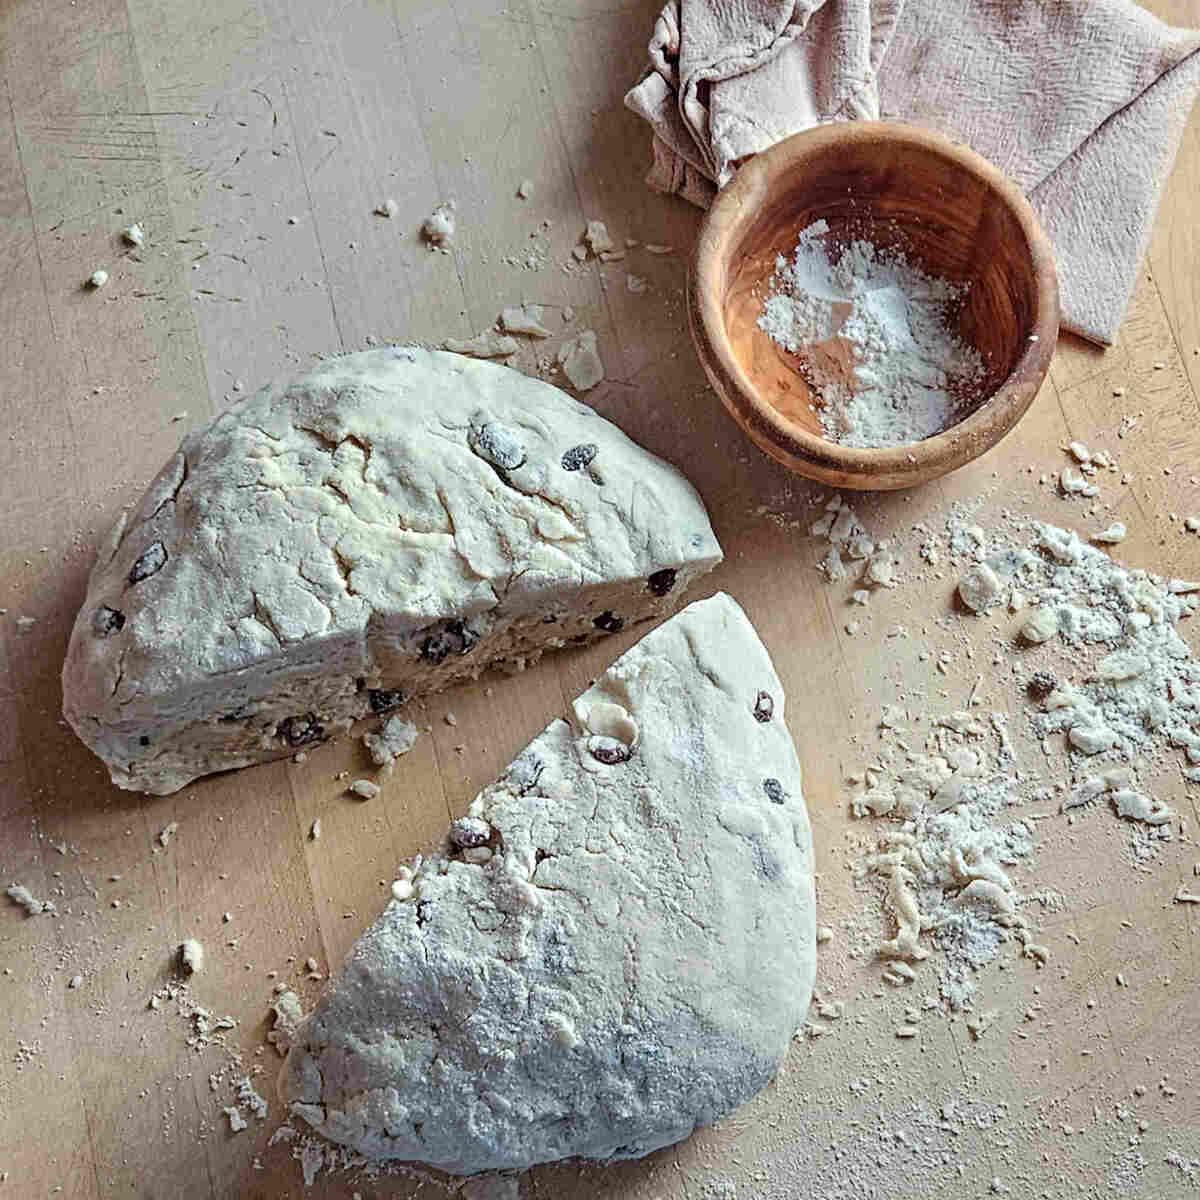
(789, 442)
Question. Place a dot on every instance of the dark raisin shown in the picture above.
(608, 622)
(661, 582)
(436, 647)
(454, 638)
(608, 750)
(764, 708)
(301, 730)
(579, 456)
(383, 700)
(467, 637)
(498, 445)
(149, 563)
(106, 621)
(143, 740)
(1041, 684)
(774, 790)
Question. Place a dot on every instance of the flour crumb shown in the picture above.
(288, 1017)
(1111, 536)
(580, 361)
(236, 1121)
(396, 737)
(388, 208)
(597, 238)
(22, 896)
(439, 227)
(134, 235)
(191, 956)
(525, 319)
(525, 189)
(97, 279)
(488, 344)
(249, 1098)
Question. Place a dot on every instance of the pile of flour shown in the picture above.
(876, 339)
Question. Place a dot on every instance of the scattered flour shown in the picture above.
(940, 865)
(1111, 691)
(876, 337)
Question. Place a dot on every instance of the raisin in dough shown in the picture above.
(629, 963)
(390, 524)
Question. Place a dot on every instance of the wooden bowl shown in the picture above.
(955, 215)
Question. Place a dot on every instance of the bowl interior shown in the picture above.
(949, 222)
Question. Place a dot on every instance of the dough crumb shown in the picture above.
(135, 235)
(21, 895)
(597, 237)
(191, 956)
(580, 361)
(387, 209)
(1112, 535)
(76, 981)
(364, 789)
(236, 1121)
(526, 319)
(525, 189)
(249, 1098)
(439, 227)
(450, 719)
(314, 831)
(167, 832)
(395, 738)
(97, 279)
(979, 588)
(488, 344)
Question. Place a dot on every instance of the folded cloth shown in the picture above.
(1081, 102)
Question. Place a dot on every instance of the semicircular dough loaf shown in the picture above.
(389, 524)
(632, 959)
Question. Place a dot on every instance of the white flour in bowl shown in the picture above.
(876, 339)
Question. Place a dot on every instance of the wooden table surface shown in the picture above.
(252, 139)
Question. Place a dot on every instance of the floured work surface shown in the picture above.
(253, 157)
